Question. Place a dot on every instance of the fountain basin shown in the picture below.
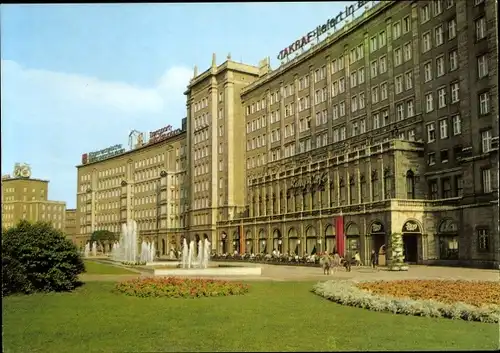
(210, 271)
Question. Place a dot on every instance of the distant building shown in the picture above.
(144, 184)
(70, 224)
(24, 197)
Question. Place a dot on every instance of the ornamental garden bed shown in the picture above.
(174, 287)
(466, 300)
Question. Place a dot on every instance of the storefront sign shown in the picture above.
(411, 227)
(102, 154)
(162, 134)
(322, 29)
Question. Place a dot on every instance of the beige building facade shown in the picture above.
(27, 198)
(144, 184)
(390, 123)
(70, 224)
(215, 126)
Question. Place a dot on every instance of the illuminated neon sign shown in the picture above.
(321, 29)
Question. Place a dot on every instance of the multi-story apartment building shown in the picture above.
(70, 224)
(388, 125)
(144, 184)
(24, 197)
(215, 127)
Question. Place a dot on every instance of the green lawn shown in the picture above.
(96, 268)
(274, 316)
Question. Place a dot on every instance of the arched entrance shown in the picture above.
(352, 240)
(448, 240)
(377, 233)
(411, 235)
(261, 246)
(236, 241)
(163, 247)
(277, 240)
(223, 243)
(293, 241)
(330, 241)
(249, 242)
(311, 240)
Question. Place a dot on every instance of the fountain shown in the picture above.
(206, 253)
(94, 249)
(126, 248)
(86, 251)
(191, 254)
(184, 253)
(152, 252)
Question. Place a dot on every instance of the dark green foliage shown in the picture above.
(38, 258)
(104, 237)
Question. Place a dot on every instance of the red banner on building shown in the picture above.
(242, 240)
(340, 237)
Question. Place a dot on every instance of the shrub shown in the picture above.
(38, 258)
(347, 293)
(175, 287)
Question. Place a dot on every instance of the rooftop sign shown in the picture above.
(322, 29)
(102, 154)
(162, 134)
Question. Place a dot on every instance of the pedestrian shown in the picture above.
(373, 259)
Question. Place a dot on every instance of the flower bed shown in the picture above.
(470, 292)
(348, 293)
(174, 287)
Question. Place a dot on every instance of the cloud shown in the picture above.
(90, 90)
(50, 118)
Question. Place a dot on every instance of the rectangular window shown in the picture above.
(433, 190)
(407, 52)
(398, 57)
(427, 71)
(406, 24)
(400, 111)
(484, 103)
(383, 91)
(483, 238)
(443, 129)
(398, 83)
(425, 13)
(459, 181)
(410, 108)
(482, 66)
(431, 132)
(438, 35)
(409, 80)
(382, 39)
(426, 42)
(480, 28)
(383, 64)
(429, 102)
(373, 68)
(452, 29)
(440, 66)
(373, 44)
(374, 95)
(396, 30)
(486, 141)
(442, 97)
(361, 75)
(455, 92)
(446, 188)
(376, 121)
(486, 177)
(453, 60)
(457, 124)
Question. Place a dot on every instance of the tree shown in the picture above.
(38, 258)
(103, 237)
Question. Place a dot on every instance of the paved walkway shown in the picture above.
(299, 273)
